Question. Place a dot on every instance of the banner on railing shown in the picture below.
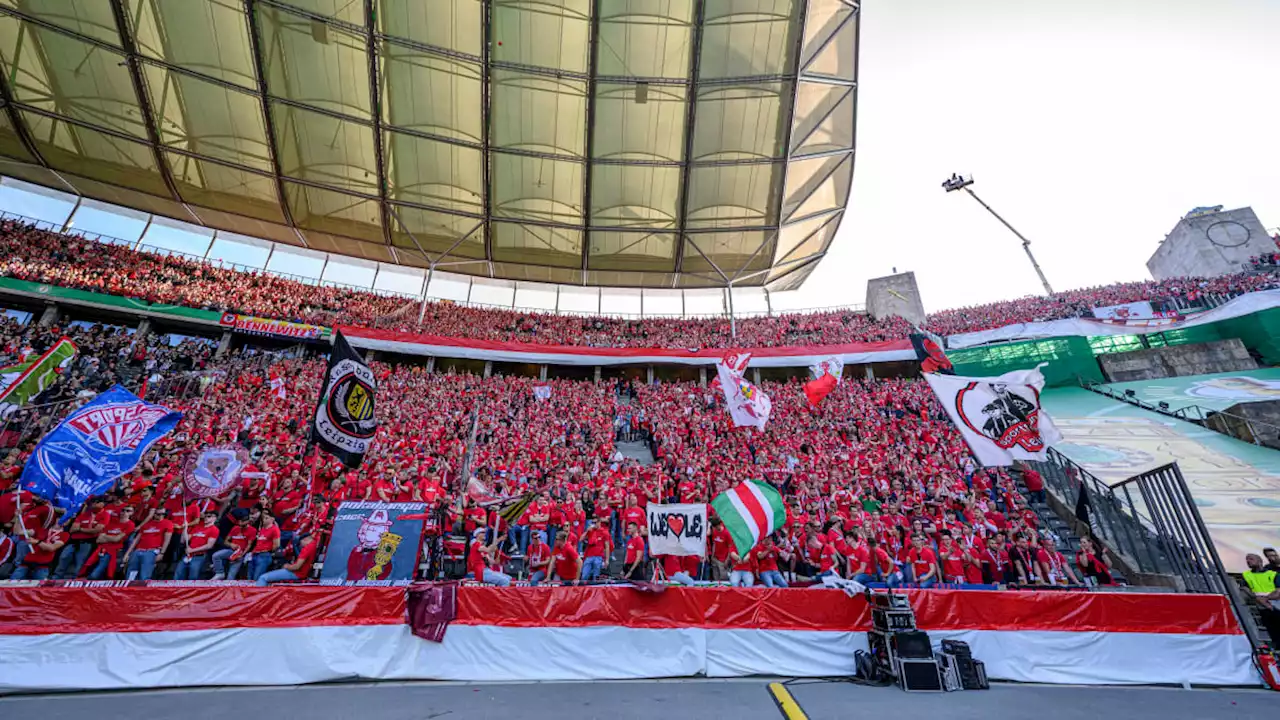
(374, 543)
(275, 328)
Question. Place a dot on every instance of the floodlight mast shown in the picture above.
(960, 182)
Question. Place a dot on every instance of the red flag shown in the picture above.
(815, 390)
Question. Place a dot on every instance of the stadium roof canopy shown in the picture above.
(634, 143)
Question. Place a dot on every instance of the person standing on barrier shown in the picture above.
(1262, 583)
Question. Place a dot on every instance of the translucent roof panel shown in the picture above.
(634, 143)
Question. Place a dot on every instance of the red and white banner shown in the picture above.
(166, 636)
(275, 328)
(502, 351)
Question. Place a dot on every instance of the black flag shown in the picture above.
(344, 422)
(930, 355)
(1083, 505)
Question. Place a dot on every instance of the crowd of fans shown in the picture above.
(879, 486)
(29, 253)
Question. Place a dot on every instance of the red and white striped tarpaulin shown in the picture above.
(63, 638)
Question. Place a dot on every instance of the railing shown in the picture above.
(1216, 420)
(1116, 519)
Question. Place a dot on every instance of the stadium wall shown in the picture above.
(169, 635)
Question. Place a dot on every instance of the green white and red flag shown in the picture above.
(750, 511)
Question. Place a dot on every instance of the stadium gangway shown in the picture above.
(1150, 521)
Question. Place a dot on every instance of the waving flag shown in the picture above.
(277, 384)
(344, 423)
(750, 511)
(929, 353)
(21, 383)
(1000, 418)
(826, 376)
(542, 391)
(746, 403)
(93, 446)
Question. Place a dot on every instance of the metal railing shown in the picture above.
(1116, 519)
(1258, 432)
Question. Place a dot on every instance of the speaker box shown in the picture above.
(919, 675)
(981, 671)
(882, 653)
(912, 644)
(950, 675)
(956, 647)
(892, 620)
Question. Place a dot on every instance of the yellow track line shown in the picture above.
(787, 704)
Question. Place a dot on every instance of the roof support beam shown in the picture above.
(370, 21)
(259, 70)
(593, 47)
(486, 162)
(144, 101)
(695, 60)
(788, 118)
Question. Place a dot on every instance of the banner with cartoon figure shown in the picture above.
(215, 470)
(1000, 418)
(374, 543)
(93, 446)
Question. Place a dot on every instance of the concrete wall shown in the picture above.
(1209, 245)
(1254, 422)
(1178, 361)
(895, 295)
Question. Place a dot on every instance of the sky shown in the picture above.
(1092, 126)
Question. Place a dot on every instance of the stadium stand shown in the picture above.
(32, 254)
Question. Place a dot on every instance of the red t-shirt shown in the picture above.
(88, 518)
(1054, 563)
(973, 573)
(766, 559)
(198, 536)
(597, 538)
(308, 557)
(151, 534)
(566, 562)
(952, 563)
(635, 549)
(266, 536)
(538, 552)
(475, 561)
(827, 559)
(39, 556)
(1034, 482)
(241, 538)
(116, 526)
(634, 515)
(922, 561)
(721, 544)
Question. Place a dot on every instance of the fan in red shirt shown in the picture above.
(265, 544)
(765, 556)
(633, 565)
(110, 543)
(599, 546)
(200, 541)
(299, 568)
(538, 560)
(45, 544)
(923, 562)
(567, 565)
(1054, 568)
(240, 539)
(952, 558)
(721, 545)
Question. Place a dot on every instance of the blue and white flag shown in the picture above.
(93, 446)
